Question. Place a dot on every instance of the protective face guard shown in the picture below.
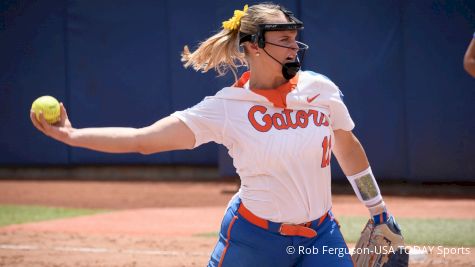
(290, 69)
(300, 50)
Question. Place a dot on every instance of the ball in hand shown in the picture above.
(49, 106)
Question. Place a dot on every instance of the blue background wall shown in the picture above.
(117, 63)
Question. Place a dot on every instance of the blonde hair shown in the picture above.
(221, 51)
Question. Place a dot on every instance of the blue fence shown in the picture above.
(117, 63)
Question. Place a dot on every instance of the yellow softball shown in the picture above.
(50, 108)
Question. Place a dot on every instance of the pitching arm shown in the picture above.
(166, 134)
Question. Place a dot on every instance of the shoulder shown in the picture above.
(221, 95)
(209, 103)
(225, 96)
(316, 81)
(233, 94)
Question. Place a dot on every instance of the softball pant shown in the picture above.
(246, 240)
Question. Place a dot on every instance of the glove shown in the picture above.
(381, 245)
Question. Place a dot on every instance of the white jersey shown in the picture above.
(280, 141)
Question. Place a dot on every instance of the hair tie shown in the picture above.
(234, 22)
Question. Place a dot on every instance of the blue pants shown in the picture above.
(242, 243)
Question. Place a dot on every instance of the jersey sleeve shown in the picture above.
(339, 115)
(206, 120)
(330, 97)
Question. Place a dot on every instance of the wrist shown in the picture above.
(379, 213)
(377, 209)
(366, 188)
(69, 137)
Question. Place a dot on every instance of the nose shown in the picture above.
(293, 51)
(294, 47)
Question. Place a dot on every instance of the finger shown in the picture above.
(64, 114)
(35, 121)
(45, 125)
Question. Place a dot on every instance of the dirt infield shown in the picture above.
(161, 223)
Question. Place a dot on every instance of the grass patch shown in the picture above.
(16, 214)
(443, 232)
(446, 232)
(209, 234)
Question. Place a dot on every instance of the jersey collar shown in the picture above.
(277, 96)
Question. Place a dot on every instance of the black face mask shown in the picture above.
(290, 69)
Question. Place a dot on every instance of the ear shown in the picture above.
(253, 47)
(250, 48)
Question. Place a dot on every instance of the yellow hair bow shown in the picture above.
(234, 22)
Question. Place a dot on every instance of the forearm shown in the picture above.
(110, 140)
(167, 134)
(352, 158)
(354, 163)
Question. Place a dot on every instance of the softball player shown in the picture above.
(280, 125)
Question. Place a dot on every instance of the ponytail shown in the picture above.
(220, 51)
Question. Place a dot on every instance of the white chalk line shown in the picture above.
(103, 250)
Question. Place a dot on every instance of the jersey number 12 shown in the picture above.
(327, 151)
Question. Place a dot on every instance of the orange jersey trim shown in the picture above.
(277, 96)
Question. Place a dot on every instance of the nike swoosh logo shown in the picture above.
(310, 99)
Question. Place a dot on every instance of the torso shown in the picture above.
(281, 148)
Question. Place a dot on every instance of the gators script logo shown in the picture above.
(283, 120)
